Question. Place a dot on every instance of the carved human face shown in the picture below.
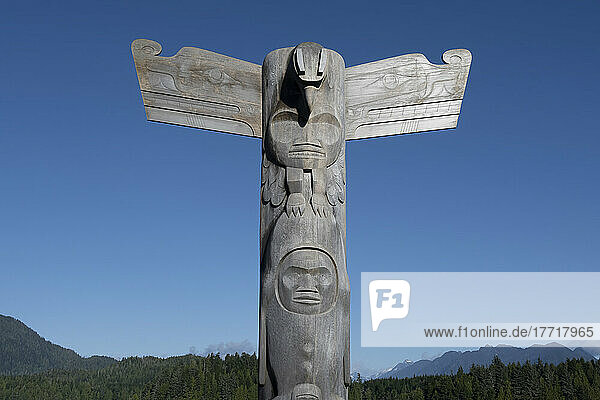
(317, 144)
(307, 281)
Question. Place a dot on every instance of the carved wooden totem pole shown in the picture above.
(304, 103)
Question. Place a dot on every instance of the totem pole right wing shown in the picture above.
(405, 94)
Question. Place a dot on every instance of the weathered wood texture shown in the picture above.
(200, 89)
(405, 94)
(304, 338)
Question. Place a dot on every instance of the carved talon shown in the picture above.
(295, 204)
(320, 205)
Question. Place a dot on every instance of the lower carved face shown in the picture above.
(306, 391)
(307, 281)
(317, 144)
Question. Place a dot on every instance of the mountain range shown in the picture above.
(451, 361)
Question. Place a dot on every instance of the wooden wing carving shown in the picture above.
(405, 94)
(199, 89)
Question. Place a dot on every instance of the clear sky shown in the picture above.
(124, 237)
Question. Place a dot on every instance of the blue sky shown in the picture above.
(125, 237)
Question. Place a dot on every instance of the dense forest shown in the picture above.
(234, 378)
(573, 379)
(185, 377)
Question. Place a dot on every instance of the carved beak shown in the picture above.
(310, 93)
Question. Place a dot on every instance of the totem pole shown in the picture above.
(304, 103)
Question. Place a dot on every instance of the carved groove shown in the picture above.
(404, 84)
(200, 79)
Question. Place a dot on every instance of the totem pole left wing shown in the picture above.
(199, 89)
(405, 94)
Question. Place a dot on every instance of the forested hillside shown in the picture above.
(23, 351)
(234, 378)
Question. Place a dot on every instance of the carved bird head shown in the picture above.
(310, 64)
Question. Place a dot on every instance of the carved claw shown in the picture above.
(295, 204)
(320, 205)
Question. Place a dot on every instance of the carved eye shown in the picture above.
(322, 62)
(326, 127)
(284, 127)
(217, 76)
(325, 118)
(390, 81)
(300, 62)
(291, 279)
(324, 278)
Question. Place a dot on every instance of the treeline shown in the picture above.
(185, 377)
(570, 380)
(234, 378)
